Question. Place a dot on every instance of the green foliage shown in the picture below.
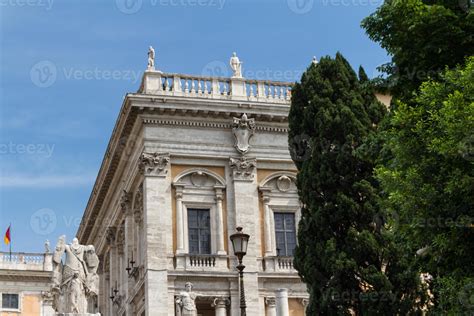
(430, 182)
(423, 37)
(346, 258)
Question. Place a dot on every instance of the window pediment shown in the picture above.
(279, 183)
(198, 178)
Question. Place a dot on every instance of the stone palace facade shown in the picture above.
(25, 280)
(190, 159)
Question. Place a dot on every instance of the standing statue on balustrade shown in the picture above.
(151, 58)
(236, 66)
(75, 279)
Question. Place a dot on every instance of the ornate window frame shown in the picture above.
(279, 194)
(203, 189)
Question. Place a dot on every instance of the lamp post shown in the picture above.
(240, 242)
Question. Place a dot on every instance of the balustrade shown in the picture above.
(215, 87)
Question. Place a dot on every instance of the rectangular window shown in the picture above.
(199, 229)
(10, 301)
(285, 233)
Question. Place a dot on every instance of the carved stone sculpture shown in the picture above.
(154, 163)
(243, 168)
(75, 280)
(185, 303)
(151, 58)
(236, 66)
(243, 129)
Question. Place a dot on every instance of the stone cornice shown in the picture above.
(209, 107)
(122, 129)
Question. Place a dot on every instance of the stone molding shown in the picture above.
(243, 168)
(154, 164)
(218, 125)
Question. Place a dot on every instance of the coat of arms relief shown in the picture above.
(243, 129)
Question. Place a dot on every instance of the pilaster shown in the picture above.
(157, 226)
(246, 213)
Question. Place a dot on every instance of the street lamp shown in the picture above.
(240, 242)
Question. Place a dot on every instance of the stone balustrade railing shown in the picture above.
(202, 261)
(24, 260)
(169, 84)
(285, 263)
(278, 264)
(22, 257)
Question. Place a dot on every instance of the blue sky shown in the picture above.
(66, 65)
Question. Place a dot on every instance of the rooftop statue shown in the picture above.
(236, 66)
(75, 279)
(151, 58)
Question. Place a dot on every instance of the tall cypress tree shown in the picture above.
(344, 254)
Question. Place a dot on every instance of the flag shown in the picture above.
(7, 238)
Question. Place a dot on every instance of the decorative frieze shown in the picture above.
(154, 164)
(243, 168)
(243, 129)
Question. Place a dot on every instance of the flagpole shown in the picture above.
(10, 242)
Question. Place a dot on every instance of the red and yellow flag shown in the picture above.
(7, 238)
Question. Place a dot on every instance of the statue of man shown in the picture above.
(151, 58)
(75, 278)
(236, 66)
(186, 301)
